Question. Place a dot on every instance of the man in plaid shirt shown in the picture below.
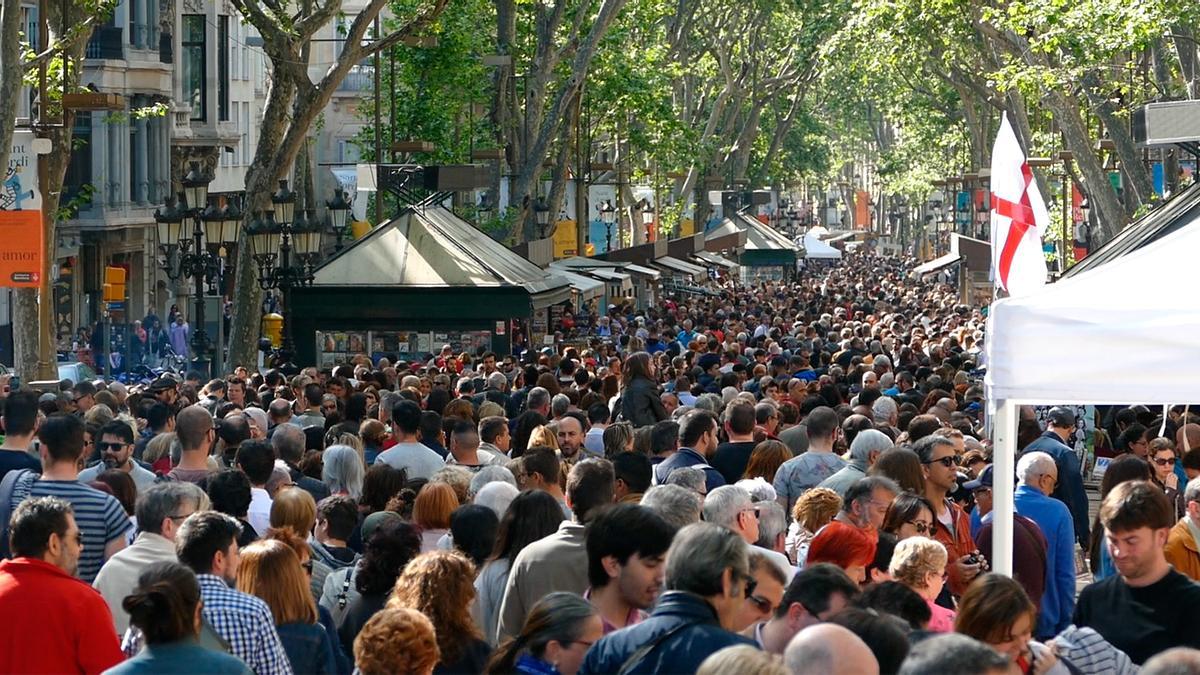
(207, 543)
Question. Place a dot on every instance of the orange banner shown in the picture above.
(21, 248)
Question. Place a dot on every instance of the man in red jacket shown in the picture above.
(56, 623)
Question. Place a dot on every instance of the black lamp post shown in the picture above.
(608, 216)
(339, 209)
(647, 217)
(275, 237)
(483, 209)
(210, 228)
(541, 211)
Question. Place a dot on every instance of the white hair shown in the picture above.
(1032, 465)
(1192, 492)
(884, 409)
(722, 505)
(497, 495)
(868, 440)
(760, 490)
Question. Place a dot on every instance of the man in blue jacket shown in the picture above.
(706, 581)
(1037, 475)
(1060, 424)
(697, 443)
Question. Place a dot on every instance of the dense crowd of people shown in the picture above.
(788, 477)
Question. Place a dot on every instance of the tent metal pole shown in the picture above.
(1004, 459)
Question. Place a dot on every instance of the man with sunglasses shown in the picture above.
(732, 507)
(116, 452)
(939, 462)
(815, 594)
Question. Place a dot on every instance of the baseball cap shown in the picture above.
(984, 480)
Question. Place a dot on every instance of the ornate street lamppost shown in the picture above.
(187, 254)
(285, 248)
(339, 209)
(647, 218)
(608, 216)
(541, 211)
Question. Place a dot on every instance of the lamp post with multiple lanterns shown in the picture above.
(196, 254)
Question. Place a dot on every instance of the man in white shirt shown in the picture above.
(598, 416)
(256, 459)
(115, 444)
(417, 460)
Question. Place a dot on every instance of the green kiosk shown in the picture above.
(424, 279)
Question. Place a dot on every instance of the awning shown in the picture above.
(609, 274)
(938, 264)
(585, 286)
(678, 266)
(714, 259)
(644, 271)
(841, 237)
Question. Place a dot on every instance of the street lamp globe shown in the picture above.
(169, 221)
(484, 208)
(195, 188)
(284, 203)
(231, 221)
(541, 211)
(339, 209)
(214, 224)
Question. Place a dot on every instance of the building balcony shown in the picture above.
(106, 43)
(360, 79)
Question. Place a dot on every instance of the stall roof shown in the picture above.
(714, 259)
(609, 274)
(677, 265)
(759, 235)
(585, 286)
(938, 264)
(430, 247)
(644, 271)
(817, 249)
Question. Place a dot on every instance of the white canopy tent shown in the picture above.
(1123, 332)
(816, 249)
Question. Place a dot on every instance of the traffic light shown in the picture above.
(114, 284)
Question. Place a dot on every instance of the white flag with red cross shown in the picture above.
(1019, 218)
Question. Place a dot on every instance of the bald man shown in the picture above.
(829, 649)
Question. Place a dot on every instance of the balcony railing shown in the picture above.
(360, 78)
(106, 43)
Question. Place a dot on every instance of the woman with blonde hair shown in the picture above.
(812, 511)
(920, 563)
(544, 437)
(742, 660)
(396, 641)
(440, 585)
(270, 570)
(431, 513)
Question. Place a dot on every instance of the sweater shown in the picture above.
(119, 575)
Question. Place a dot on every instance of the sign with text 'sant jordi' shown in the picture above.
(21, 242)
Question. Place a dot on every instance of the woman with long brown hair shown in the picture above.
(996, 611)
(439, 584)
(640, 402)
(554, 639)
(271, 570)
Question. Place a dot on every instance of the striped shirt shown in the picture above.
(99, 516)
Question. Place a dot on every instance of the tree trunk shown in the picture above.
(10, 76)
(1101, 194)
(1189, 60)
(1139, 188)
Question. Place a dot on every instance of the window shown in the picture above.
(79, 170)
(245, 126)
(223, 68)
(235, 40)
(192, 46)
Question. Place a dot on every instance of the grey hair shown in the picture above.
(559, 405)
(771, 523)
(699, 556)
(497, 381)
(490, 474)
(722, 505)
(288, 441)
(163, 500)
(1192, 492)
(677, 505)
(1034, 464)
(616, 438)
(690, 477)
(884, 409)
(951, 653)
(496, 495)
(537, 397)
(343, 470)
(868, 440)
(408, 381)
(709, 402)
(386, 400)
